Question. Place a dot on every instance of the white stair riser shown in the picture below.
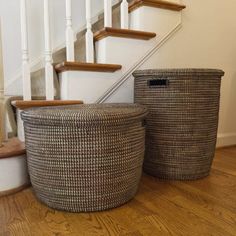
(85, 86)
(153, 19)
(124, 51)
(90, 86)
(13, 173)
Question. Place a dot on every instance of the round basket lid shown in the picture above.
(180, 73)
(96, 114)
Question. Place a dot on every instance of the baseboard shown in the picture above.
(226, 139)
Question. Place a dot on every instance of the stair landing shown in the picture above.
(12, 148)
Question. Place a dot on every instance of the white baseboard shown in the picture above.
(226, 139)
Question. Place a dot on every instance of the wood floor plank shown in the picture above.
(202, 207)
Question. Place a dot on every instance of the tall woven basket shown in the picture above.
(182, 122)
(85, 157)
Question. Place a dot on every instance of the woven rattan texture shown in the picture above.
(82, 166)
(182, 121)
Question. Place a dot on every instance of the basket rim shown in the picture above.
(188, 72)
(87, 114)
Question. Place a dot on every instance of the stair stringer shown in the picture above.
(97, 87)
(123, 89)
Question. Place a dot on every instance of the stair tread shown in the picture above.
(43, 103)
(13, 147)
(80, 66)
(156, 3)
(124, 33)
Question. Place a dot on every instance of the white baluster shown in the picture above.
(107, 13)
(124, 14)
(48, 54)
(70, 49)
(89, 34)
(2, 105)
(25, 52)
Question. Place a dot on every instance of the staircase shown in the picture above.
(111, 55)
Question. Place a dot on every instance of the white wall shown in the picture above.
(10, 15)
(208, 40)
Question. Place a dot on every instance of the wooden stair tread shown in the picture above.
(156, 3)
(13, 147)
(80, 66)
(123, 33)
(43, 103)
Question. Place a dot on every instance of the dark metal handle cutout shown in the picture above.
(158, 83)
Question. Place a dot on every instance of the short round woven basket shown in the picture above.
(85, 157)
(182, 122)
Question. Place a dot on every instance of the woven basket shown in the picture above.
(182, 122)
(85, 157)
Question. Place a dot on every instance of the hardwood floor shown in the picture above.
(203, 207)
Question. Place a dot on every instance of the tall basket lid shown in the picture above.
(180, 73)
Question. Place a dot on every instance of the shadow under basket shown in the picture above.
(182, 121)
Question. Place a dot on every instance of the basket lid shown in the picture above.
(180, 72)
(97, 114)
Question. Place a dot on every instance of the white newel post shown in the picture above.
(48, 54)
(89, 34)
(70, 48)
(124, 14)
(25, 52)
(107, 13)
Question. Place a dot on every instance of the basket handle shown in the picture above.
(158, 83)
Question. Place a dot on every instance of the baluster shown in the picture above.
(107, 13)
(124, 14)
(70, 49)
(89, 34)
(2, 107)
(48, 54)
(25, 52)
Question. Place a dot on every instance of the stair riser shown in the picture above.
(122, 50)
(154, 19)
(86, 86)
(13, 173)
(90, 86)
